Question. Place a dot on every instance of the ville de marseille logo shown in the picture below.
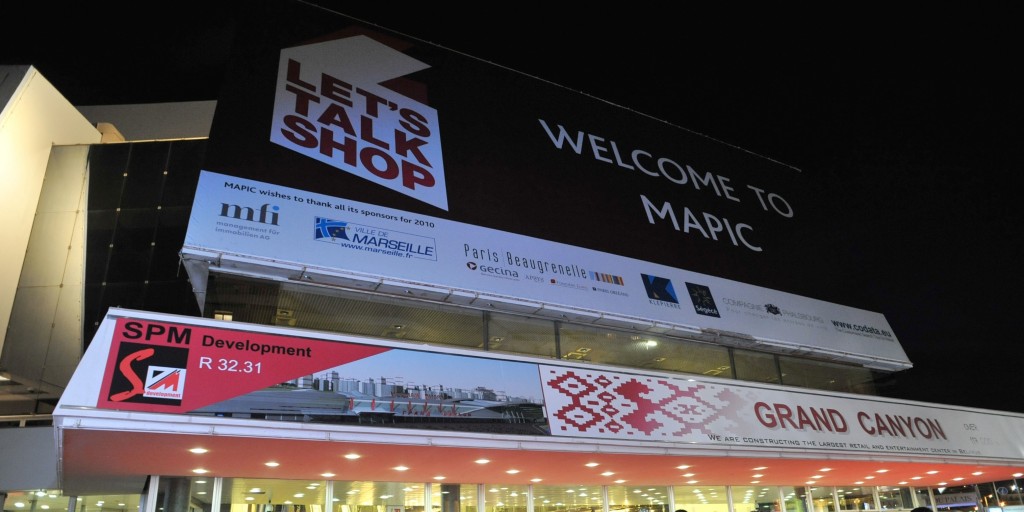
(149, 374)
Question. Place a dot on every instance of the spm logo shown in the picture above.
(149, 374)
(703, 302)
(330, 105)
(659, 288)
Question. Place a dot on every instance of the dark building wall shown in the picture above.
(140, 198)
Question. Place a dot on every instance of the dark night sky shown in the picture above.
(913, 119)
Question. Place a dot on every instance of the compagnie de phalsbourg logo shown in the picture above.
(330, 106)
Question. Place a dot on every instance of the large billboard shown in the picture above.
(378, 132)
(147, 362)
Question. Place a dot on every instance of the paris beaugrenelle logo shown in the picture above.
(330, 106)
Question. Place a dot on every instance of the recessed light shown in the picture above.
(607, 473)
(976, 473)
(591, 464)
(684, 466)
(620, 481)
(249, 498)
(439, 477)
(326, 475)
(1018, 475)
(825, 470)
(932, 472)
(352, 456)
(903, 482)
(198, 450)
(757, 475)
(200, 471)
(882, 471)
(400, 468)
(271, 464)
(821, 476)
(869, 478)
(536, 479)
(915, 478)
(512, 471)
(957, 479)
(691, 481)
(482, 461)
(759, 468)
(755, 481)
(688, 475)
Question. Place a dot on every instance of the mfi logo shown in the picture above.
(263, 216)
(659, 288)
(149, 374)
(331, 106)
(703, 302)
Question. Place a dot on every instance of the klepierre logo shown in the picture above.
(330, 106)
(703, 301)
(151, 374)
(660, 291)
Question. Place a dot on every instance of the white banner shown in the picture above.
(250, 218)
(596, 403)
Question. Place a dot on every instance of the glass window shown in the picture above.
(1009, 495)
(822, 499)
(704, 498)
(890, 498)
(267, 495)
(794, 499)
(521, 335)
(645, 498)
(635, 350)
(505, 498)
(755, 498)
(825, 375)
(755, 366)
(554, 498)
(856, 497)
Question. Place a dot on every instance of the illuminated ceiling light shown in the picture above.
(271, 464)
(255, 489)
(882, 471)
(976, 473)
(352, 456)
(684, 466)
(932, 472)
(608, 473)
(957, 479)
(869, 478)
(811, 482)
(352, 492)
(620, 481)
(942, 484)
(760, 468)
(859, 482)
(1018, 475)
(757, 475)
(825, 470)
(902, 483)
(198, 450)
(201, 493)
(651, 343)
(400, 468)
(915, 478)
(439, 477)
(755, 481)
(691, 481)
(591, 464)
(327, 475)
(535, 480)
(818, 476)
(482, 461)
(200, 471)
(298, 495)
(512, 471)
(249, 498)
(688, 475)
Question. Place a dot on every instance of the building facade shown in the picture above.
(394, 277)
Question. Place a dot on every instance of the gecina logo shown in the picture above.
(329, 106)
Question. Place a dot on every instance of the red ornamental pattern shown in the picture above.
(629, 406)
